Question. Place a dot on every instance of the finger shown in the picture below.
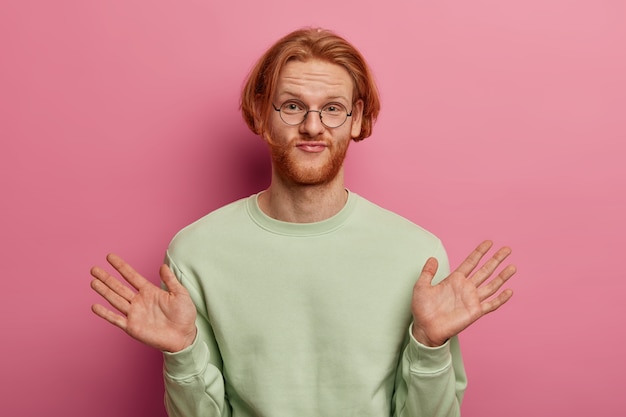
(468, 265)
(113, 318)
(113, 283)
(428, 272)
(490, 266)
(116, 300)
(127, 271)
(497, 302)
(495, 284)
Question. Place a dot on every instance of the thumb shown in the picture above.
(428, 272)
(169, 279)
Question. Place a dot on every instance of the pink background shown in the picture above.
(501, 119)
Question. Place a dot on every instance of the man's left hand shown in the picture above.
(443, 310)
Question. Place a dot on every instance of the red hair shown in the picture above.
(303, 45)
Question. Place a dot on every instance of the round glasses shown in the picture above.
(294, 112)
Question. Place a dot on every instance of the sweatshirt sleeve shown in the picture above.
(430, 382)
(194, 384)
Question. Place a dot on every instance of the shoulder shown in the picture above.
(210, 227)
(390, 223)
(397, 238)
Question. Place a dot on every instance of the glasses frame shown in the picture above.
(306, 113)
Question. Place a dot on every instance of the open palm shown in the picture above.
(163, 319)
(443, 310)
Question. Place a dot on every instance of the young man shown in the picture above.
(305, 299)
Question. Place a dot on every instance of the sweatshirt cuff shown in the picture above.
(187, 362)
(425, 359)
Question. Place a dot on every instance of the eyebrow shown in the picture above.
(299, 97)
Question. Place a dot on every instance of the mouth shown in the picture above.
(312, 147)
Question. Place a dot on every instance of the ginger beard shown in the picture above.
(286, 165)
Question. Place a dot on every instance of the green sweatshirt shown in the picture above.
(299, 320)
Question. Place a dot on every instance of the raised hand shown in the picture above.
(444, 310)
(163, 319)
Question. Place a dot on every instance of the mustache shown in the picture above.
(268, 136)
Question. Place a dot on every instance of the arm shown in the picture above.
(194, 383)
(430, 382)
(166, 319)
(431, 379)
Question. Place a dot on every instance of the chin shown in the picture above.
(295, 171)
(311, 177)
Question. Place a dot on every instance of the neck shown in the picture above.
(297, 203)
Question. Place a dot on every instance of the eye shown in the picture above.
(334, 109)
(291, 107)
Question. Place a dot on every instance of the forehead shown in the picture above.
(314, 79)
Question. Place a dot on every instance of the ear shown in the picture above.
(357, 119)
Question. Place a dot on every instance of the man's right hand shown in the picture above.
(163, 319)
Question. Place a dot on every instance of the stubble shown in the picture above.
(287, 166)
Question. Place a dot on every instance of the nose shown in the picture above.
(312, 124)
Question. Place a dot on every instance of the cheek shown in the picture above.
(274, 135)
